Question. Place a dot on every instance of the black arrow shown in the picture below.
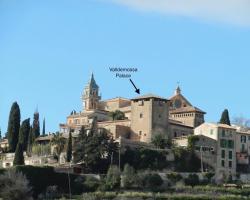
(137, 90)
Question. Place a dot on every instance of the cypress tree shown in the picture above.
(69, 147)
(36, 125)
(30, 141)
(0, 134)
(225, 118)
(43, 126)
(24, 133)
(19, 158)
(13, 126)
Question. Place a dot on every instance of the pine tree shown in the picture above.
(225, 118)
(43, 126)
(19, 158)
(69, 147)
(36, 125)
(13, 126)
(24, 133)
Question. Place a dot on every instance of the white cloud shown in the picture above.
(229, 11)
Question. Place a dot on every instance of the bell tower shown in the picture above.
(90, 96)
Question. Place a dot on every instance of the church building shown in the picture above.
(145, 115)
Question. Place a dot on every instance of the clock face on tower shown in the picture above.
(177, 103)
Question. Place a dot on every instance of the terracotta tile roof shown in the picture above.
(180, 96)
(44, 138)
(179, 123)
(225, 126)
(148, 96)
(187, 109)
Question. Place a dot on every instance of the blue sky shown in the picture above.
(48, 49)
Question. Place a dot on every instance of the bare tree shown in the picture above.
(243, 122)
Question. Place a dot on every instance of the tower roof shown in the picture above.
(178, 90)
(92, 83)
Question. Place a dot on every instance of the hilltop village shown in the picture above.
(221, 148)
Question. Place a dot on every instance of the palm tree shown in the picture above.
(58, 141)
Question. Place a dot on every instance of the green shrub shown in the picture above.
(208, 177)
(41, 150)
(91, 183)
(113, 178)
(14, 186)
(42, 177)
(149, 181)
(174, 177)
(192, 180)
(129, 177)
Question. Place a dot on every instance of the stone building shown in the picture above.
(182, 110)
(224, 148)
(145, 115)
(243, 149)
(149, 115)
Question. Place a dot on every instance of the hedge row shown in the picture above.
(149, 196)
(42, 177)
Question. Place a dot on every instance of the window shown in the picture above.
(243, 149)
(223, 143)
(230, 155)
(141, 103)
(222, 153)
(243, 139)
(159, 116)
(223, 133)
(211, 132)
(141, 115)
(140, 132)
(222, 163)
(230, 144)
(230, 164)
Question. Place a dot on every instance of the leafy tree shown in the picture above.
(95, 149)
(160, 141)
(19, 158)
(117, 115)
(129, 177)
(24, 133)
(143, 158)
(44, 127)
(113, 178)
(69, 147)
(14, 186)
(36, 125)
(13, 126)
(225, 118)
(192, 139)
(59, 142)
(183, 158)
